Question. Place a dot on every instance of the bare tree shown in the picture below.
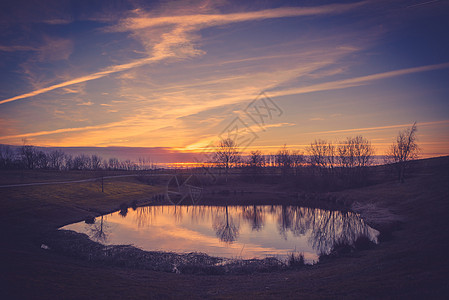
(256, 159)
(56, 159)
(41, 160)
(256, 162)
(29, 156)
(227, 155)
(284, 160)
(114, 163)
(95, 162)
(354, 155)
(82, 162)
(129, 165)
(297, 159)
(68, 161)
(322, 156)
(403, 150)
(145, 163)
(7, 157)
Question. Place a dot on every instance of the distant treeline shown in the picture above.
(30, 157)
(323, 164)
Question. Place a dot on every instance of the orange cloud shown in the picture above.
(208, 20)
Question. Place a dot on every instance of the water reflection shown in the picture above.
(254, 215)
(98, 231)
(227, 230)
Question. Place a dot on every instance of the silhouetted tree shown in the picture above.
(56, 159)
(95, 162)
(256, 162)
(29, 156)
(322, 156)
(68, 159)
(256, 159)
(403, 150)
(227, 155)
(129, 165)
(114, 163)
(354, 155)
(41, 160)
(81, 162)
(297, 159)
(7, 157)
(284, 161)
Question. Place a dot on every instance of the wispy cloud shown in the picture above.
(14, 48)
(377, 128)
(56, 131)
(177, 42)
(356, 81)
(208, 20)
(87, 103)
(107, 71)
(70, 91)
(54, 49)
(58, 21)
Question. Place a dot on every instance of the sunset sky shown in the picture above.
(181, 74)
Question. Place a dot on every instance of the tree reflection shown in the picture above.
(178, 213)
(255, 215)
(325, 227)
(98, 231)
(225, 228)
(294, 219)
(145, 215)
(321, 228)
(123, 211)
(285, 221)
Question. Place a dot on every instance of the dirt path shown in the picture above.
(79, 181)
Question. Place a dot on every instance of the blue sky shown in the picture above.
(175, 74)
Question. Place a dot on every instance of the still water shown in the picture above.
(229, 231)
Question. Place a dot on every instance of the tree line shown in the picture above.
(30, 157)
(346, 161)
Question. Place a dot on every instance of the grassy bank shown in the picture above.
(411, 262)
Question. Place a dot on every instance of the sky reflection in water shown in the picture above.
(229, 231)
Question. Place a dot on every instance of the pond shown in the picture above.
(229, 231)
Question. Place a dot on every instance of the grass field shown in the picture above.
(411, 262)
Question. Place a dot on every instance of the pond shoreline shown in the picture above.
(197, 263)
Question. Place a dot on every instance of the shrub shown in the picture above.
(296, 260)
